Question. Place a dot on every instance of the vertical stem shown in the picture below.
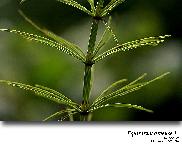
(86, 117)
(93, 35)
(71, 117)
(87, 85)
(83, 117)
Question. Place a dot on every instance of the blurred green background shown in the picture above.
(32, 63)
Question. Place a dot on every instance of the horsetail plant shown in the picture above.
(98, 12)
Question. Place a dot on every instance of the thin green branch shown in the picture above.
(61, 99)
(58, 94)
(76, 5)
(120, 105)
(104, 38)
(152, 41)
(66, 116)
(58, 114)
(110, 7)
(138, 79)
(71, 46)
(125, 90)
(91, 2)
(45, 41)
(109, 88)
(111, 31)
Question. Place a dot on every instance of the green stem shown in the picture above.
(83, 117)
(93, 35)
(87, 85)
(86, 117)
(101, 2)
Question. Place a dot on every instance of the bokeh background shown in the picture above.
(32, 63)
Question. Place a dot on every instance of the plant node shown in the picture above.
(98, 18)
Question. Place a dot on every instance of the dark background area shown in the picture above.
(33, 63)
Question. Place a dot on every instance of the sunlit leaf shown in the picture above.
(68, 115)
(120, 105)
(58, 114)
(138, 79)
(111, 31)
(91, 2)
(104, 39)
(131, 87)
(111, 6)
(56, 93)
(76, 5)
(152, 41)
(109, 88)
(76, 49)
(45, 41)
(49, 94)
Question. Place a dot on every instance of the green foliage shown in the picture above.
(44, 92)
(151, 41)
(104, 39)
(120, 105)
(97, 104)
(110, 30)
(96, 11)
(43, 40)
(76, 5)
(91, 2)
(115, 90)
(71, 46)
(60, 114)
(110, 7)
(129, 88)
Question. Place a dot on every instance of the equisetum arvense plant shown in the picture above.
(99, 12)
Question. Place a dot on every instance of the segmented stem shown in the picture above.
(87, 85)
(93, 35)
